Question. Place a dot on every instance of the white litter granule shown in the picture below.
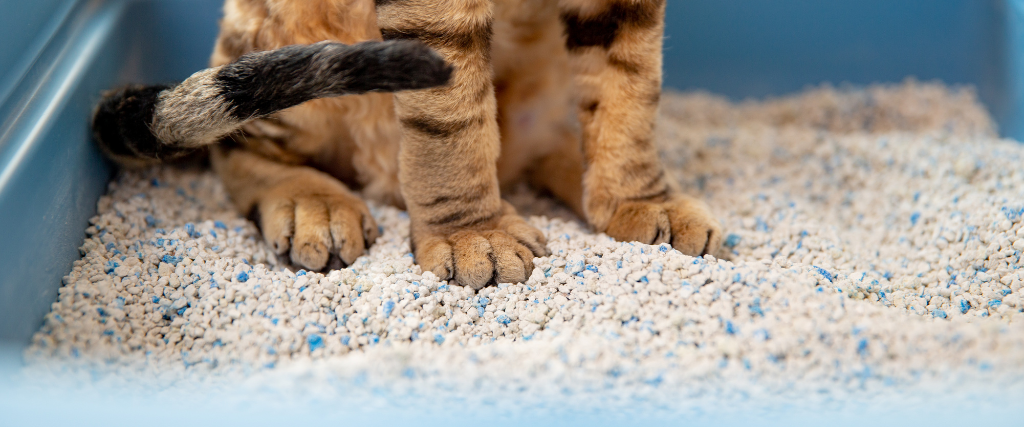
(874, 238)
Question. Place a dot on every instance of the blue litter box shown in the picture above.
(58, 55)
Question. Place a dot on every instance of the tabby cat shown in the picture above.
(461, 99)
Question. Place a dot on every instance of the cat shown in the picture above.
(435, 106)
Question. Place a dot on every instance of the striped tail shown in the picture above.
(148, 124)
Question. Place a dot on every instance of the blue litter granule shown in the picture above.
(862, 347)
(220, 225)
(762, 335)
(345, 339)
(274, 321)
(1012, 214)
(824, 272)
(761, 225)
(755, 308)
(737, 278)
(1005, 292)
(108, 332)
(101, 312)
(243, 277)
(150, 221)
(964, 306)
(503, 319)
(939, 313)
(729, 328)
(574, 267)
(731, 241)
(995, 303)
(190, 230)
(154, 182)
(111, 265)
(170, 259)
(181, 311)
(156, 300)
(591, 268)
(914, 217)
(663, 248)
(388, 307)
(438, 338)
(315, 342)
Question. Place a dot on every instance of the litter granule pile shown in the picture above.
(873, 242)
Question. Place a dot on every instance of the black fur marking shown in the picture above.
(462, 199)
(261, 83)
(653, 181)
(458, 219)
(475, 40)
(121, 124)
(256, 217)
(602, 29)
(581, 33)
(440, 129)
(638, 168)
(654, 98)
(477, 221)
(659, 195)
(628, 67)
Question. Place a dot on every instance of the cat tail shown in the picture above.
(139, 125)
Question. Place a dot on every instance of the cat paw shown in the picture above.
(310, 222)
(684, 222)
(500, 252)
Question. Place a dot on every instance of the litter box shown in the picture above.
(58, 56)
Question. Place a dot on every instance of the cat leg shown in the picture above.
(540, 138)
(461, 229)
(615, 52)
(302, 212)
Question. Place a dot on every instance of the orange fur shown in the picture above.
(521, 106)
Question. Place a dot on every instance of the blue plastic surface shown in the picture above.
(25, 27)
(755, 48)
(50, 172)
(59, 55)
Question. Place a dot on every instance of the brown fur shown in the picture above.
(521, 106)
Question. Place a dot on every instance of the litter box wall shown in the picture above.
(63, 53)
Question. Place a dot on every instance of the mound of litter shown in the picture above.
(874, 242)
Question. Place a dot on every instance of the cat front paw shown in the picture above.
(682, 221)
(501, 251)
(309, 220)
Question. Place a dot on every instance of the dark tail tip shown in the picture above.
(121, 123)
(403, 65)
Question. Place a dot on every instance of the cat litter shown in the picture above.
(873, 244)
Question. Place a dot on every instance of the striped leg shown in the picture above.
(615, 52)
(461, 229)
